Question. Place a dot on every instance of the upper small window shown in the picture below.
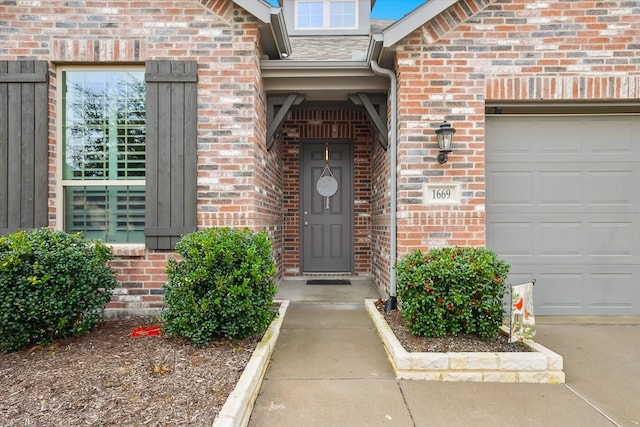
(325, 14)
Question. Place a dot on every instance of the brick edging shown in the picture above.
(539, 366)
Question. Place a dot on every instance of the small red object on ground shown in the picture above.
(146, 331)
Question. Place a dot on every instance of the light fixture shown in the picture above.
(445, 141)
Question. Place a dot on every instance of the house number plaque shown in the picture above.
(442, 193)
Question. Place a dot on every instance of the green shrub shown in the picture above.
(452, 290)
(222, 287)
(52, 285)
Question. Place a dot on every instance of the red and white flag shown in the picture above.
(523, 323)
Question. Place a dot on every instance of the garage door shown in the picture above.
(563, 207)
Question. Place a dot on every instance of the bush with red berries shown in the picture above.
(452, 290)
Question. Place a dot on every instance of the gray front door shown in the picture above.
(327, 232)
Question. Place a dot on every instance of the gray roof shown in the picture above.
(334, 48)
(329, 48)
(378, 25)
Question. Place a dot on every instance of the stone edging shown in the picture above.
(540, 366)
(239, 405)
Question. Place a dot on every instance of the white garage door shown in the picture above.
(563, 207)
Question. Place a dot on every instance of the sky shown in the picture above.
(394, 9)
(387, 9)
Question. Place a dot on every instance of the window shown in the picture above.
(310, 14)
(328, 14)
(104, 149)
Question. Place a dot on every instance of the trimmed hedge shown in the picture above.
(52, 285)
(222, 287)
(452, 290)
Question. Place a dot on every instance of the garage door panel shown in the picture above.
(610, 290)
(511, 188)
(613, 239)
(560, 239)
(604, 193)
(522, 207)
(574, 223)
(527, 236)
(563, 238)
(609, 137)
(571, 290)
(558, 290)
(511, 238)
(554, 290)
(578, 293)
(563, 139)
(596, 187)
(607, 187)
(546, 136)
(517, 147)
(533, 235)
(561, 187)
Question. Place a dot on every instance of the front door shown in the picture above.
(327, 232)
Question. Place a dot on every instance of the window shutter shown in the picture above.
(171, 111)
(23, 145)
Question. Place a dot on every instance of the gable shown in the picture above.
(361, 19)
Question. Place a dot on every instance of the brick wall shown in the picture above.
(479, 51)
(338, 124)
(235, 173)
(268, 177)
(476, 51)
(380, 215)
(140, 277)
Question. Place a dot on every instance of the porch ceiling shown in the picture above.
(321, 80)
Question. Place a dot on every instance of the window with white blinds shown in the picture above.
(326, 14)
(104, 135)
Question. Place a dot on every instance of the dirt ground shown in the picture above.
(108, 378)
(450, 343)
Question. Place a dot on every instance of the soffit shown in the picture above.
(321, 80)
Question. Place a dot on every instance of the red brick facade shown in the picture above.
(487, 51)
(380, 215)
(236, 175)
(473, 53)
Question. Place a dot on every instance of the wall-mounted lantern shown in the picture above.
(445, 141)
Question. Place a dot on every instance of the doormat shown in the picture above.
(329, 282)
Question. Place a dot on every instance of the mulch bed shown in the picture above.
(108, 378)
(449, 343)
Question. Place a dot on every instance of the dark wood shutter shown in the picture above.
(171, 152)
(23, 145)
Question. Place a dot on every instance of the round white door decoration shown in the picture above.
(327, 185)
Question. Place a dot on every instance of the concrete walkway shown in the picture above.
(329, 369)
